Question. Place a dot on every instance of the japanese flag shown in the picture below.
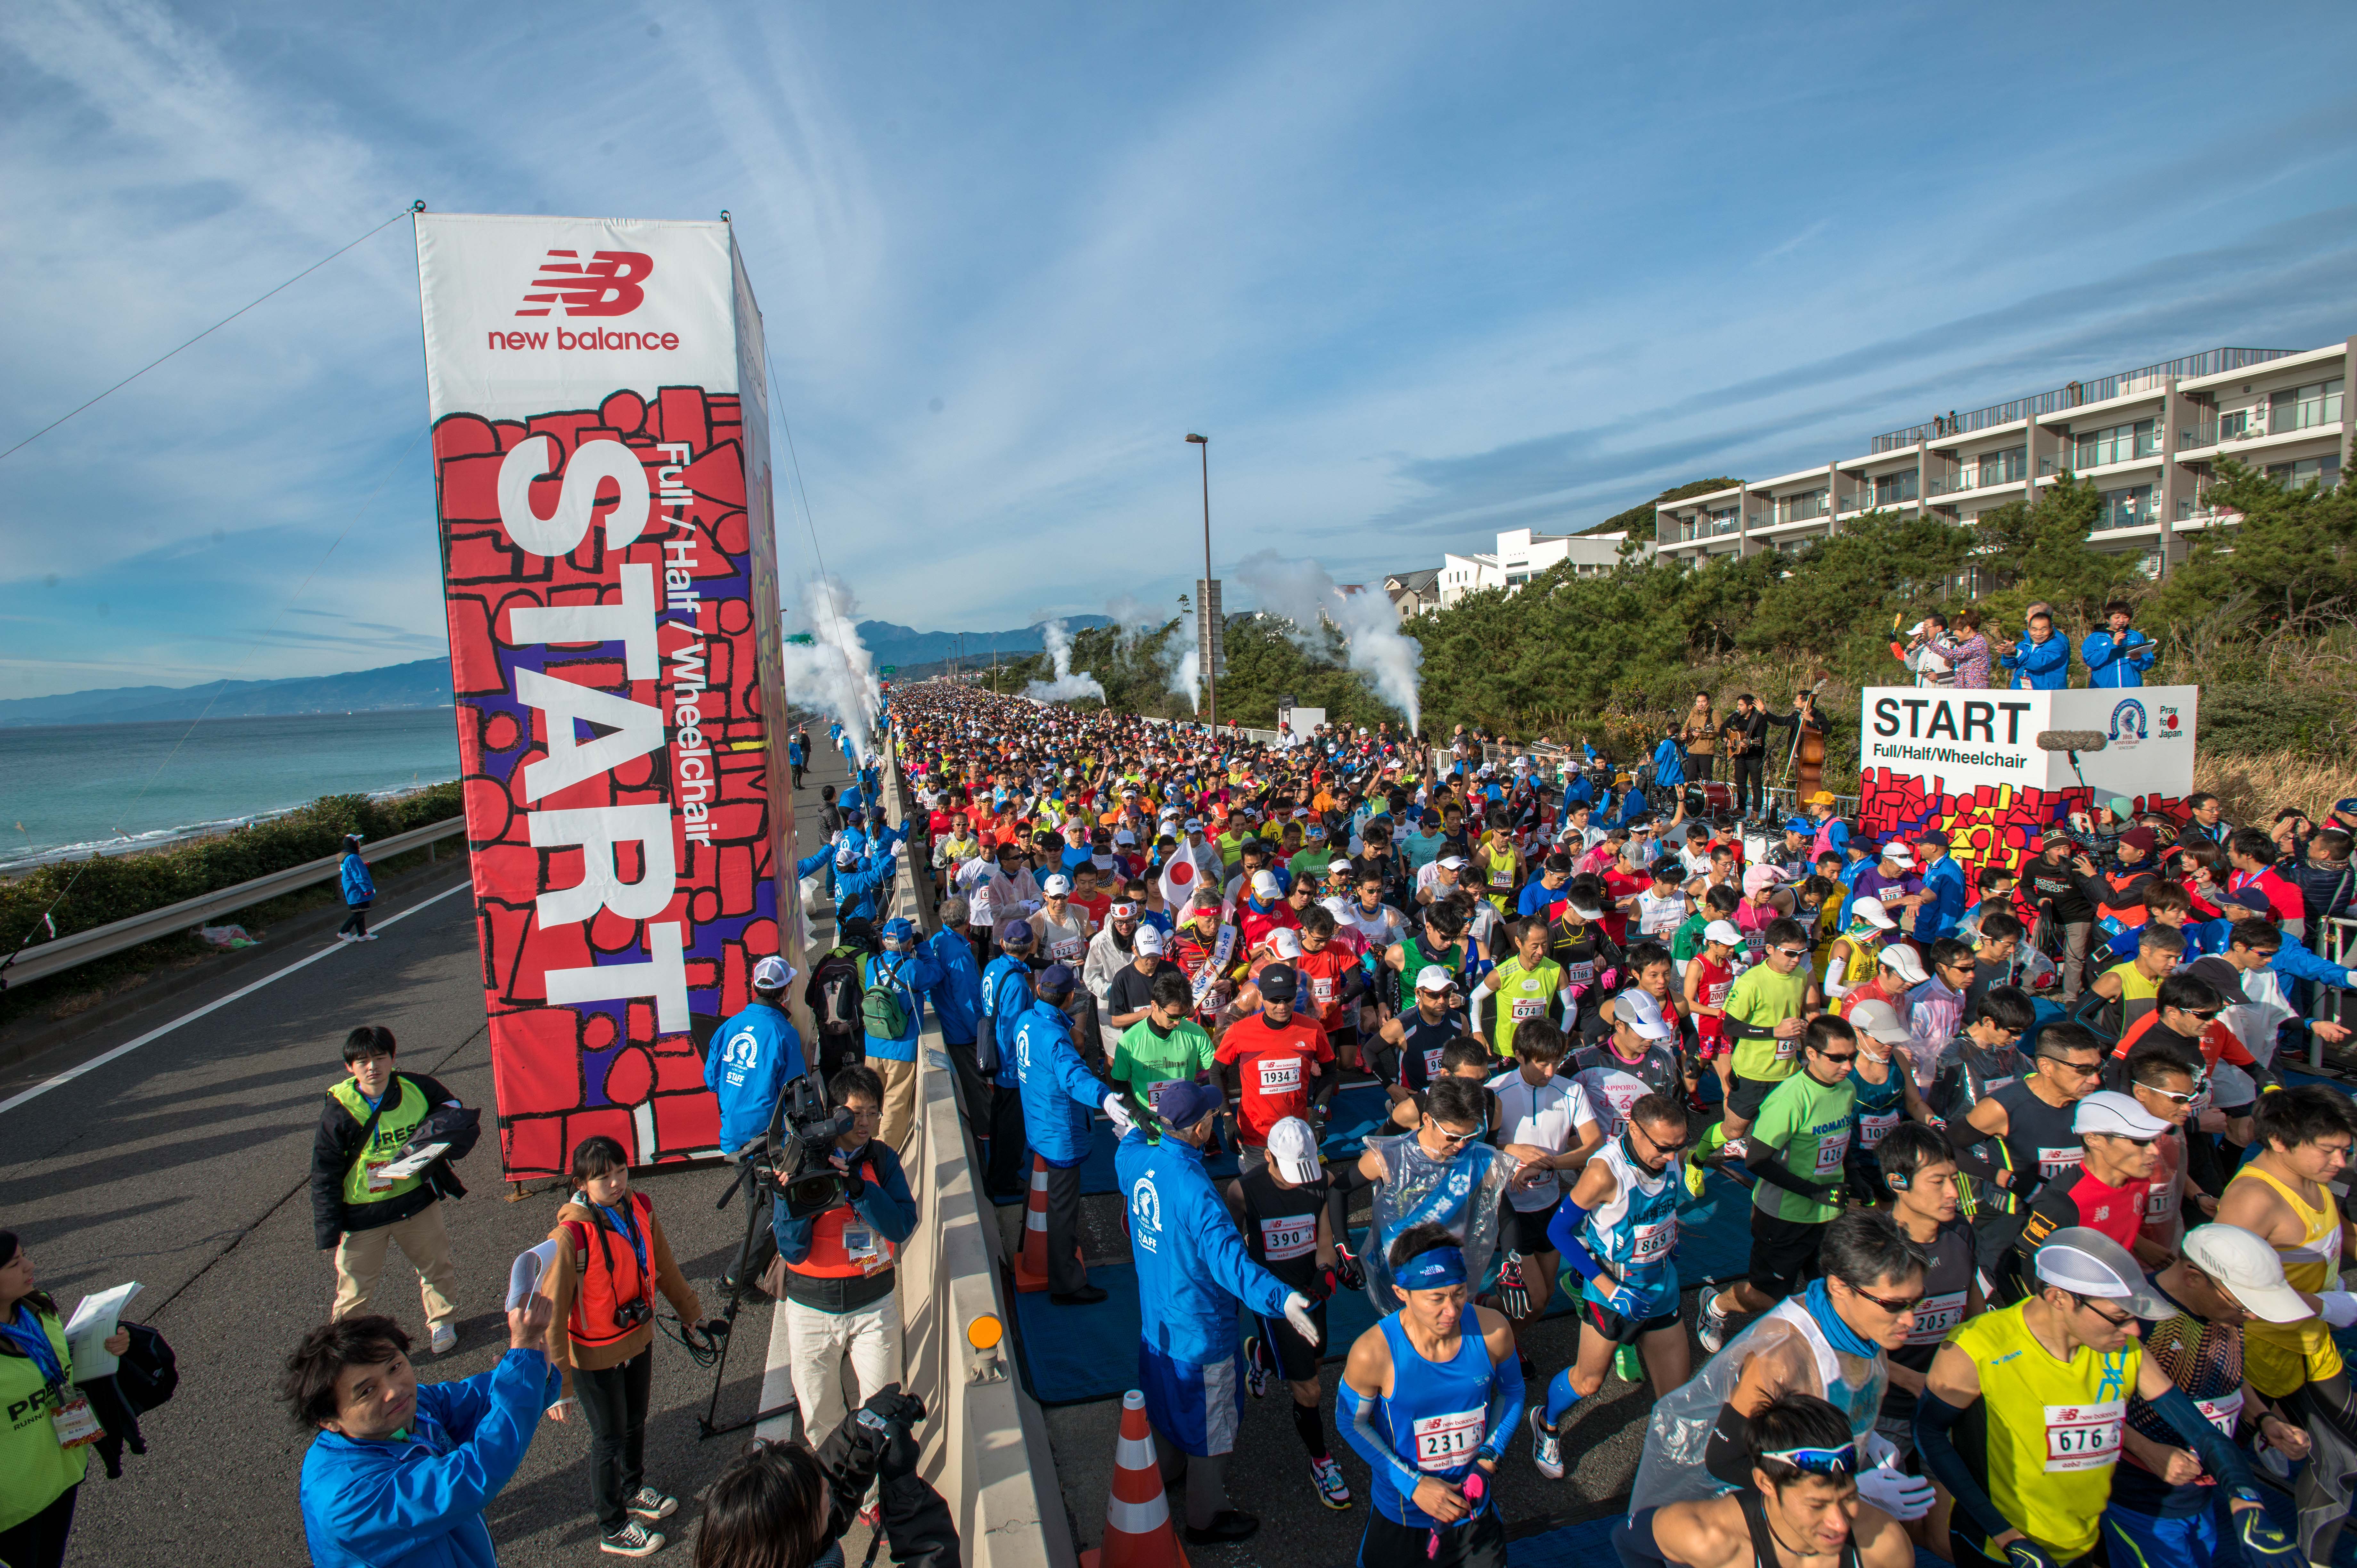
(1181, 879)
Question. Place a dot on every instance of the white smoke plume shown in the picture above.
(1178, 657)
(1301, 592)
(1187, 678)
(834, 671)
(1066, 685)
(1137, 619)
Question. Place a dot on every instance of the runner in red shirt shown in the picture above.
(1276, 1057)
(1325, 967)
(2107, 1193)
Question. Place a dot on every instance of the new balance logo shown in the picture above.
(610, 284)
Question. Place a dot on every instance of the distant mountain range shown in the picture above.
(423, 684)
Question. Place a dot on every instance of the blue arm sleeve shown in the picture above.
(2220, 1456)
(1358, 1426)
(380, 1515)
(1505, 1408)
(1563, 1233)
(1936, 1422)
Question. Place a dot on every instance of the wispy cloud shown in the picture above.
(1797, 241)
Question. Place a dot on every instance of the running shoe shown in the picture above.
(1546, 1447)
(1332, 1490)
(649, 1503)
(1626, 1364)
(633, 1539)
(446, 1339)
(1712, 1327)
(1255, 1375)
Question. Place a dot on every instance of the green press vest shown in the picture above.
(400, 1117)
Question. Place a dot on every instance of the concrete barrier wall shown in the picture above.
(984, 1444)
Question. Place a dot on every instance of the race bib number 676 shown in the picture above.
(2083, 1436)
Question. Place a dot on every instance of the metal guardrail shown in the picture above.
(103, 941)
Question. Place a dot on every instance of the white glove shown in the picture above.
(1903, 1497)
(2339, 1308)
(1880, 1451)
(1123, 1123)
(1297, 1312)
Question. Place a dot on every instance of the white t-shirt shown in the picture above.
(1547, 1115)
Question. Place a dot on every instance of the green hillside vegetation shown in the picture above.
(2261, 618)
(1638, 521)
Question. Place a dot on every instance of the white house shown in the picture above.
(1523, 554)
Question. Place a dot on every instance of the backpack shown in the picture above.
(880, 1012)
(835, 989)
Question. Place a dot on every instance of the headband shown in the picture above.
(1436, 1270)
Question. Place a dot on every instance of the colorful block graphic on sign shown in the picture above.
(611, 585)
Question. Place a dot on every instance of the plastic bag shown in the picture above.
(1461, 1193)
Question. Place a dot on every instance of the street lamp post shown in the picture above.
(1210, 639)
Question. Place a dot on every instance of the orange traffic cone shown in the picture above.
(1031, 1262)
(1137, 1515)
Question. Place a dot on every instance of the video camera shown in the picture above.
(879, 1437)
(802, 1165)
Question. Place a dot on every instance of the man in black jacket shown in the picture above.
(1744, 738)
(2060, 896)
(360, 1202)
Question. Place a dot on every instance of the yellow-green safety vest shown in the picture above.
(393, 1130)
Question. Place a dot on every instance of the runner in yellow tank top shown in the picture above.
(2050, 1379)
(1525, 985)
(2283, 1195)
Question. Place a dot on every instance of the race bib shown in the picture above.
(1445, 1443)
(2160, 1201)
(1501, 877)
(1715, 994)
(1832, 1150)
(1787, 1048)
(2052, 1162)
(1432, 1065)
(1068, 949)
(2083, 1436)
(1525, 1010)
(1873, 1126)
(1322, 988)
(2224, 1413)
(1578, 973)
(1280, 1074)
(1935, 1316)
(1651, 1243)
(1293, 1237)
(1993, 1085)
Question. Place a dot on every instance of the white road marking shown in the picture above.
(162, 1029)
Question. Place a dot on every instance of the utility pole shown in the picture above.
(1206, 606)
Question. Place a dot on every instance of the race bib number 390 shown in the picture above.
(1445, 1442)
(1292, 1237)
(2083, 1436)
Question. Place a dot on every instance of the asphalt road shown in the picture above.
(185, 1164)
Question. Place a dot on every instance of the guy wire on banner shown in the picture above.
(46, 920)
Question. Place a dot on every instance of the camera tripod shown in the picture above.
(741, 1278)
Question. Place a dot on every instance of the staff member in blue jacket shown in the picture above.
(2119, 655)
(400, 1474)
(957, 1001)
(755, 1055)
(909, 972)
(360, 892)
(1193, 1268)
(1006, 997)
(2042, 661)
(1943, 880)
(1060, 1096)
(861, 882)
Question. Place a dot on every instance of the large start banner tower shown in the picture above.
(601, 478)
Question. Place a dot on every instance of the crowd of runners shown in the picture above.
(2045, 1251)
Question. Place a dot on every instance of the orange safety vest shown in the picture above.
(605, 1276)
(829, 1259)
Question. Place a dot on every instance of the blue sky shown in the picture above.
(1422, 272)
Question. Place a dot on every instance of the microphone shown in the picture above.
(2072, 740)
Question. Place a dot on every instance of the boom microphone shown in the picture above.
(2072, 740)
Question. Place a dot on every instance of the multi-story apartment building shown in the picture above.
(2149, 439)
(1522, 555)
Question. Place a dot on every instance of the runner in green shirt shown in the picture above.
(1164, 1047)
(1439, 942)
(1767, 1008)
(1525, 985)
(1797, 1147)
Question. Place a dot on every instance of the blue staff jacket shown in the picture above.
(857, 890)
(753, 1057)
(2039, 666)
(957, 995)
(360, 887)
(2122, 665)
(1006, 997)
(418, 1502)
(1061, 1096)
(915, 973)
(1191, 1263)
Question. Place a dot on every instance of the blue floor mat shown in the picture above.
(1358, 1110)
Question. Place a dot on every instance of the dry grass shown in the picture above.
(2254, 789)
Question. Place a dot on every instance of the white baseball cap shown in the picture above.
(1724, 934)
(1194, 825)
(773, 974)
(1436, 979)
(1879, 1019)
(1292, 1149)
(1124, 835)
(1287, 941)
(1897, 854)
(2245, 1264)
(1149, 941)
(1870, 910)
(1451, 862)
(1900, 959)
(2108, 1111)
(1642, 1014)
(1055, 882)
(1264, 885)
(2087, 1262)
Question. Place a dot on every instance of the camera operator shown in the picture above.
(782, 1504)
(839, 1261)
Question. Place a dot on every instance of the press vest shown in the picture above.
(606, 1274)
(836, 1255)
(405, 1109)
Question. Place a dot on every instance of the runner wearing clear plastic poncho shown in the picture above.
(1829, 1342)
(1440, 1174)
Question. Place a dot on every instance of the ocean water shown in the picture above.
(67, 789)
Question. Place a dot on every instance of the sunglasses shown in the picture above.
(1458, 1138)
(2172, 1096)
(1838, 1060)
(1817, 1461)
(2120, 1322)
(1794, 953)
(2084, 1069)
(1905, 1306)
(2124, 1138)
